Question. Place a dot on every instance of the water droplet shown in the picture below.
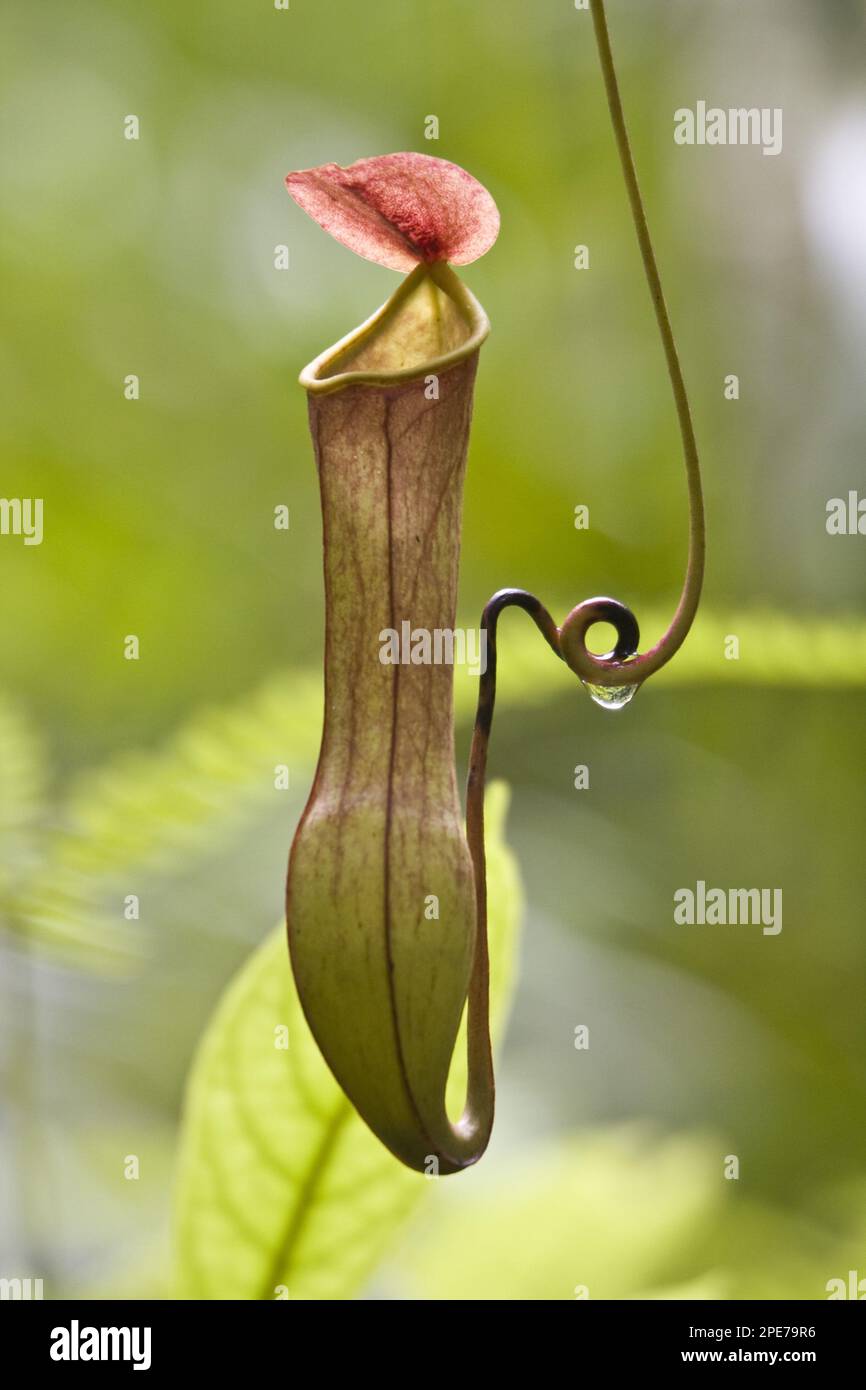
(612, 696)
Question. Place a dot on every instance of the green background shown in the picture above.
(156, 257)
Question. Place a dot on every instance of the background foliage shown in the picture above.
(156, 777)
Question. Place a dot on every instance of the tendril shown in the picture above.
(622, 665)
(612, 669)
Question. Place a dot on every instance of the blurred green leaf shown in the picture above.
(280, 1182)
(23, 849)
(157, 812)
(618, 1213)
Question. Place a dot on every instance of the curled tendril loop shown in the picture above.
(572, 638)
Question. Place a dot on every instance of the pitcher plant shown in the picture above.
(383, 987)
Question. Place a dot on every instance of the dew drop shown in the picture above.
(612, 696)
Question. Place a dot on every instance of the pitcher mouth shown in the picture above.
(431, 323)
